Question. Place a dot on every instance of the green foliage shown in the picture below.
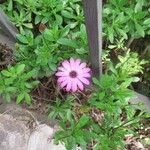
(107, 115)
(16, 83)
(105, 127)
(75, 134)
(62, 109)
(45, 51)
(120, 20)
(130, 64)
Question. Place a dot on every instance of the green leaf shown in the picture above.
(111, 34)
(48, 35)
(10, 89)
(27, 98)
(140, 29)
(20, 68)
(28, 25)
(6, 73)
(20, 97)
(10, 6)
(67, 14)
(107, 81)
(69, 114)
(37, 19)
(68, 42)
(138, 6)
(9, 81)
(101, 95)
(65, 31)
(112, 68)
(123, 33)
(81, 51)
(59, 19)
(127, 82)
(7, 97)
(135, 79)
(52, 66)
(147, 21)
(95, 81)
(82, 122)
(28, 85)
(22, 39)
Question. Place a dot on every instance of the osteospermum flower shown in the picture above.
(73, 75)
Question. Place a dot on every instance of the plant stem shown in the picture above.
(130, 42)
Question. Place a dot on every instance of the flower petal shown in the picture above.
(61, 79)
(62, 69)
(77, 61)
(77, 64)
(63, 74)
(72, 64)
(82, 65)
(74, 85)
(84, 80)
(66, 65)
(86, 70)
(80, 85)
(86, 75)
(68, 87)
(63, 84)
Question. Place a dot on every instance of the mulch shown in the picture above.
(6, 56)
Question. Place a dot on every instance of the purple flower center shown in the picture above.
(73, 74)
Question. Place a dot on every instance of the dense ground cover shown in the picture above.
(51, 31)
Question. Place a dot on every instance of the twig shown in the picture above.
(40, 98)
(145, 50)
(130, 42)
(44, 86)
(6, 112)
(82, 93)
(47, 83)
(76, 98)
(37, 123)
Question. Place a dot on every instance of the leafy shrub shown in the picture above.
(99, 120)
(130, 64)
(16, 82)
(120, 20)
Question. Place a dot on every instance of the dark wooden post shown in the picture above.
(7, 27)
(93, 19)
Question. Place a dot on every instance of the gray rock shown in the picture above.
(20, 130)
(14, 133)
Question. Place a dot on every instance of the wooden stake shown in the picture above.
(93, 18)
(7, 27)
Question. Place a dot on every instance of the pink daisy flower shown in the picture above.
(73, 75)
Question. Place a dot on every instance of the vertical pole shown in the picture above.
(93, 19)
(7, 27)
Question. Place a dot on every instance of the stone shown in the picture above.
(20, 130)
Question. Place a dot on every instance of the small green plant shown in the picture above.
(130, 64)
(62, 109)
(121, 20)
(16, 83)
(100, 120)
(22, 19)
